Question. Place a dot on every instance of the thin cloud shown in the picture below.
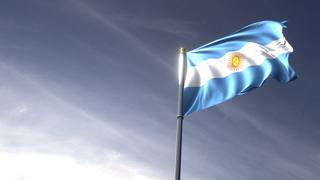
(137, 43)
(59, 129)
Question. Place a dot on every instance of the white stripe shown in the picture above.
(251, 54)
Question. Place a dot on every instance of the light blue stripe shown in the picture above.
(218, 90)
(261, 33)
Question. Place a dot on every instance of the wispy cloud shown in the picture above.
(39, 130)
(39, 166)
(130, 38)
(171, 26)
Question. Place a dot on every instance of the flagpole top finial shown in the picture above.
(182, 50)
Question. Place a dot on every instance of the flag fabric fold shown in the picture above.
(236, 64)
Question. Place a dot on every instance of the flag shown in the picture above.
(236, 64)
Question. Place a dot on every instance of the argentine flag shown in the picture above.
(236, 64)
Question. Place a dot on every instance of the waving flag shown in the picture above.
(236, 64)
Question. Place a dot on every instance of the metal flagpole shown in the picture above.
(182, 71)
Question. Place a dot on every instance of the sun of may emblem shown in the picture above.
(235, 62)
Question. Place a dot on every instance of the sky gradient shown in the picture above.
(88, 90)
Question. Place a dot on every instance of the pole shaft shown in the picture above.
(179, 147)
(182, 70)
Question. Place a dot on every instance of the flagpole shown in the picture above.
(182, 71)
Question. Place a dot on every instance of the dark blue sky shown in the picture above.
(88, 90)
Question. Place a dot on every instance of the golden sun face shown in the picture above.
(235, 62)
